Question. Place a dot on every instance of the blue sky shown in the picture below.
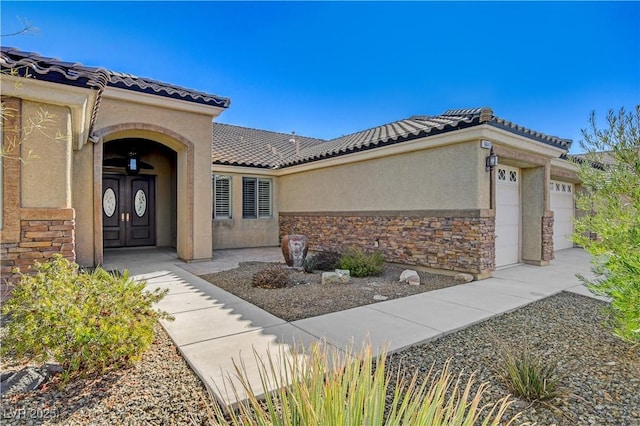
(325, 69)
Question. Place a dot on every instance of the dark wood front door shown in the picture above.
(128, 210)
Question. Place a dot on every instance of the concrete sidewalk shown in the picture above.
(213, 327)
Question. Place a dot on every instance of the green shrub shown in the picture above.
(84, 321)
(610, 203)
(528, 376)
(272, 277)
(334, 388)
(619, 279)
(361, 263)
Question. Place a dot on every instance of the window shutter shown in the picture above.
(264, 198)
(222, 197)
(249, 198)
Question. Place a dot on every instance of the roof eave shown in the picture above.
(167, 91)
(564, 144)
(433, 131)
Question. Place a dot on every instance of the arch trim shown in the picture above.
(185, 152)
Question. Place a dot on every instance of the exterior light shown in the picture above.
(133, 164)
(491, 161)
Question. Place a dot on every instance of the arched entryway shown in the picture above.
(172, 159)
(139, 200)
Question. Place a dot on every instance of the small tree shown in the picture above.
(610, 227)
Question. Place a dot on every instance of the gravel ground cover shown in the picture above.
(601, 374)
(307, 297)
(160, 389)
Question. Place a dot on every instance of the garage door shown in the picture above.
(562, 206)
(507, 216)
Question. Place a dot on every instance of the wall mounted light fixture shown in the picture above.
(491, 161)
(133, 163)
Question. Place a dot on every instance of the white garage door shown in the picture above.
(562, 206)
(507, 216)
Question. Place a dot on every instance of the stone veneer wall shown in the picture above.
(461, 240)
(43, 233)
(547, 236)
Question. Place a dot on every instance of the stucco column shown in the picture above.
(535, 212)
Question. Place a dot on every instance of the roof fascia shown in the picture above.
(522, 143)
(243, 170)
(478, 132)
(160, 101)
(559, 163)
(528, 133)
(79, 100)
(429, 142)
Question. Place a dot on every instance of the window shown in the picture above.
(221, 197)
(256, 198)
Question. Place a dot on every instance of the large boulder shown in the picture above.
(294, 249)
(410, 276)
(25, 380)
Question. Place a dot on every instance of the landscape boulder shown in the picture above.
(25, 380)
(463, 278)
(410, 276)
(339, 276)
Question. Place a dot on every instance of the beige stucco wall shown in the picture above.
(162, 124)
(448, 177)
(82, 202)
(46, 171)
(238, 232)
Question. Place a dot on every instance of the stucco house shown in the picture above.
(418, 190)
(137, 162)
(121, 161)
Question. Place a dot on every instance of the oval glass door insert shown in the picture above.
(109, 202)
(140, 202)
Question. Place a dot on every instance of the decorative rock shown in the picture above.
(340, 276)
(25, 380)
(380, 297)
(410, 276)
(294, 249)
(345, 274)
(463, 278)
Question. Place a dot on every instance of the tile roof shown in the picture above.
(242, 146)
(234, 145)
(32, 65)
(57, 71)
(153, 87)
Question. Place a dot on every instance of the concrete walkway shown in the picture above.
(213, 327)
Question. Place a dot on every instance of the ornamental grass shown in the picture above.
(324, 386)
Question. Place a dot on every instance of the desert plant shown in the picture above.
(271, 277)
(323, 386)
(528, 375)
(310, 264)
(610, 201)
(361, 263)
(327, 260)
(84, 321)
